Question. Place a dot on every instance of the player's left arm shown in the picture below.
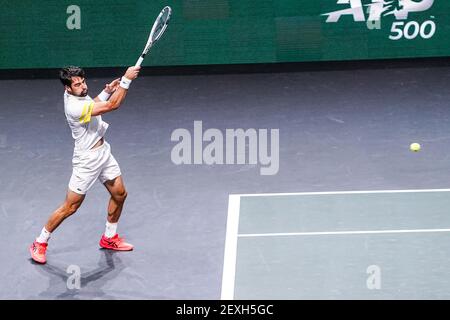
(110, 88)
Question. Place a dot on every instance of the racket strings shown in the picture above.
(161, 25)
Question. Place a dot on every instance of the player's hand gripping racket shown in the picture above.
(159, 26)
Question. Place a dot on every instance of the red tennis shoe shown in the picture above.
(115, 243)
(37, 251)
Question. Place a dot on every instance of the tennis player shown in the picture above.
(92, 158)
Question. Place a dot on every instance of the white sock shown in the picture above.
(111, 229)
(44, 236)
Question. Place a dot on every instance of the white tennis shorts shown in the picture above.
(88, 166)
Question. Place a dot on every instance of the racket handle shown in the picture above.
(138, 63)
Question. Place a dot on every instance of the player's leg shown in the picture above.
(85, 172)
(110, 239)
(111, 178)
(116, 189)
(70, 205)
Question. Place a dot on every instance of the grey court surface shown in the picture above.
(339, 131)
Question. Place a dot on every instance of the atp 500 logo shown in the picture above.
(377, 9)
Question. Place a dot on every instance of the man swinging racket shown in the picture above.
(92, 158)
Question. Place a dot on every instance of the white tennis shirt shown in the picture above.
(86, 130)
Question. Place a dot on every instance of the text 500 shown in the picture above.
(412, 30)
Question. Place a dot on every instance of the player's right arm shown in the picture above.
(117, 97)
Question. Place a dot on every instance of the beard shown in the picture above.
(84, 93)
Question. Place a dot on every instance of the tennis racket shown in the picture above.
(159, 26)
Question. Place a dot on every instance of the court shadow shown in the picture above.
(91, 282)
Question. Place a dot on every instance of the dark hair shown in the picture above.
(66, 74)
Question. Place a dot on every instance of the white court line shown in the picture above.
(251, 235)
(341, 192)
(229, 264)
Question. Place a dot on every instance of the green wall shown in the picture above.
(33, 34)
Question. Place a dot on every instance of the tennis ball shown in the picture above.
(414, 147)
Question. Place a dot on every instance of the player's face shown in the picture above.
(78, 87)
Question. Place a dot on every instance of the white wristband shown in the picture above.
(104, 95)
(125, 82)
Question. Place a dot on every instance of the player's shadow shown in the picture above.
(91, 282)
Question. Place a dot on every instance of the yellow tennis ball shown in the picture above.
(415, 147)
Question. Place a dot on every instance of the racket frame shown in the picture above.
(150, 41)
